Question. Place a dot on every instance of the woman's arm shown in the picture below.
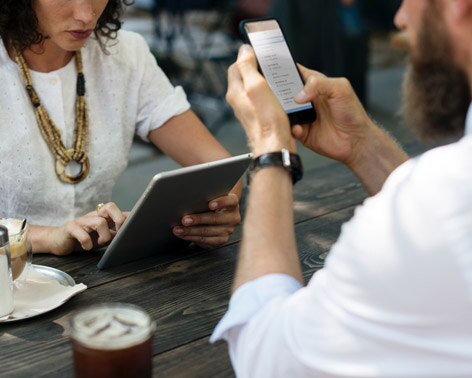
(185, 139)
(94, 229)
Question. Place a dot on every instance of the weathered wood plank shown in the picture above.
(186, 298)
(195, 360)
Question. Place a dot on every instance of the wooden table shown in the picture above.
(186, 292)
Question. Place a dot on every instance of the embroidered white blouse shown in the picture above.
(394, 298)
(127, 94)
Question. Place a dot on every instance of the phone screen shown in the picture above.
(276, 63)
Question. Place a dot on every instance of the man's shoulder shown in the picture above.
(446, 164)
(424, 209)
(440, 178)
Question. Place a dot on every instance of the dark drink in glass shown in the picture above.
(112, 340)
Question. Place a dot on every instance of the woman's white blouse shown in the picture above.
(127, 94)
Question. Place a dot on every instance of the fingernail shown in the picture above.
(187, 221)
(301, 97)
(178, 230)
(244, 49)
(213, 205)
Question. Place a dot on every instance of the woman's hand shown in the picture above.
(342, 126)
(212, 228)
(93, 230)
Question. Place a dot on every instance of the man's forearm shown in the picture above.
(268, 244)
(375, 159)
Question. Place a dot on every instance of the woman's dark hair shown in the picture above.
(19, 24)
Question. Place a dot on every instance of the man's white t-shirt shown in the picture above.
(394, 298)
(127, 94)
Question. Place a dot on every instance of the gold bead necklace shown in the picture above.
(52, 135)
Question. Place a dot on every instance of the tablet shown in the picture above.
(169, 196)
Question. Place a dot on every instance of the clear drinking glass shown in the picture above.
(112, 340)
(20, 248)
(6, 283)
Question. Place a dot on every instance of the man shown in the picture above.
(395, 296)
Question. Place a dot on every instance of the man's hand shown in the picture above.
(260, 113)
(342, 131)
(93, 230)
(342, 125)
(212, 228)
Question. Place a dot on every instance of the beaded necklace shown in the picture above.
(51, 133)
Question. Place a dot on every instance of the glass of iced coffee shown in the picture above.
(112, 340)
(20, 248)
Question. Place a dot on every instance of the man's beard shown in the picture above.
(436, 91)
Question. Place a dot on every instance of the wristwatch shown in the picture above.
(291, 162)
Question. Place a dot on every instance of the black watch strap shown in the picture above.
(291, 162)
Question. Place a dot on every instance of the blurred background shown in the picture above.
(194, 41)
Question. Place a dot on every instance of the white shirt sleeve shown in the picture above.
(394, 298)
(250, 298)
(159, 100)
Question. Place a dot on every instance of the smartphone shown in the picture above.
(278, 67)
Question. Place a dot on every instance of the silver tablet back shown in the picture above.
(168, 197)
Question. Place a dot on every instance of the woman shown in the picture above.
(75, 90)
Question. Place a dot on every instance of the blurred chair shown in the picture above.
(195, 42)
(196, 38)
(173, 22)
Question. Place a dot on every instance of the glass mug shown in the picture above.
(112, 340)
(20, 248)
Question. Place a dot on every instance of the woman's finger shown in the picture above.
(111, 211)
(212, 218)
(76, 231)
(229, 201)
(98, 225)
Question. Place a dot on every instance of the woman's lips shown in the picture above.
(80, 34)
